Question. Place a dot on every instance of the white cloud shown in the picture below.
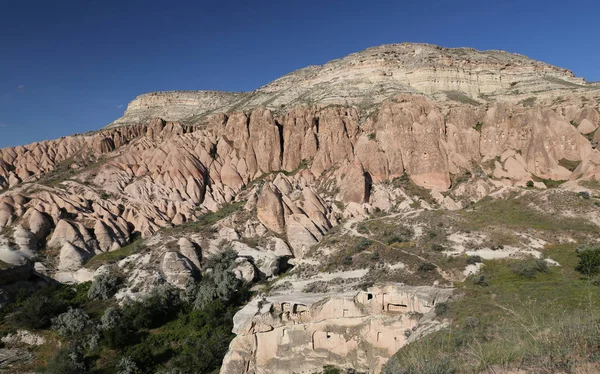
(3, 125)
(120, 106)
(21, 88)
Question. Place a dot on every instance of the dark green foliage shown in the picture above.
(154, 310)
(438, 247)
(530, 268)
(426, 267)
(584, 194)
(218, 284)
(472, 260)
(347, 260)
(441, 309)
(530, 184)
(589, 260)
(331, 370)
(363, 243)
(37, 312)
(480, 280)
(478, 127)
(67, 361)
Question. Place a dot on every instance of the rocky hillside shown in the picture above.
(352, 198)
(367, 78)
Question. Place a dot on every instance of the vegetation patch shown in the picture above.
(116, 255)
(547, 323)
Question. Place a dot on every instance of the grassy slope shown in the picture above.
(549, 323)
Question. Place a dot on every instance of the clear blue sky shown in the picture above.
(69, 66)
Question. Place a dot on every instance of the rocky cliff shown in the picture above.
(399, 130)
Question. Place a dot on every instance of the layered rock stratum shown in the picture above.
(307, 154)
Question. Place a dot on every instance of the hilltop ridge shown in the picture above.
(370, 76)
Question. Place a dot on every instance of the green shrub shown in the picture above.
(37, 312)
(426, 267)
(363, 243)
(331, 370)
(471, 322)
(438, 247)
(530, 184)
(441, 309)
(111, 318)
(472, 260)
(530, 268)
(480, 280)
(67, 361)
(71, 323)
(589, 260)
(103, 287)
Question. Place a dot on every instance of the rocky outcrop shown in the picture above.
(303, 333)
(98, 190)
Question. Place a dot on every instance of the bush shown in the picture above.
(37, 312)
(67, 361)
(472, 260)
(155, 309)
(363, 243)
(347, 260)
(71, 323)
(529, 269)
(111, 318)
(103, 287)
(584, 194)
(331, 370)
(589, 260)
(127, 366)
(530, 184)
(441, 309)
(426, 267)
(438, 247)
(480, 280)
(471, 322)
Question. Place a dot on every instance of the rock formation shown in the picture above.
(397, 128)
(360, 331)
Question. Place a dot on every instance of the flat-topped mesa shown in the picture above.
(368, 77)
(175, 105)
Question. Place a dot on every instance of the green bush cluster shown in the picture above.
(589, 260)
(530, 268)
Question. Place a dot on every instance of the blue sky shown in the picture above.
(72, 66)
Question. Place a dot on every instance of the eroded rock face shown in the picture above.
(360, 330)
(143, 173)
(178, 270)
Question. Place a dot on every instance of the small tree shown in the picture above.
(72, 322)
(110, 319)
(67, 361)
(589, 260)
(127, 366)
(103, 287)
(37, 312)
